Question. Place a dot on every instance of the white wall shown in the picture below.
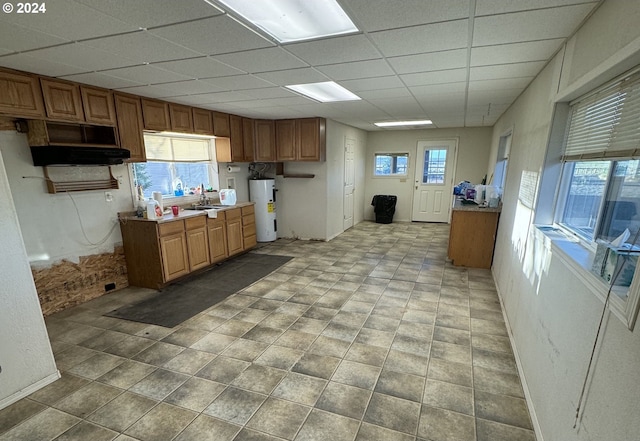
(50, 224)
(474, 145)
(552, 313)
(26, 359)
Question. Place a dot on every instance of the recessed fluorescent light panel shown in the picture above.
(424, 122)
(294, 20)
(326, 92)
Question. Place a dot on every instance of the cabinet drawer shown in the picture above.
(249, 230)
(249, 209)
(167, 228)
(250, 242)
(234, 213)
(221, 217)
(248, 220)
(195, 222)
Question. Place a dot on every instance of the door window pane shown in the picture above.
(434, 166)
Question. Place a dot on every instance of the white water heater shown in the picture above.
(263, 193)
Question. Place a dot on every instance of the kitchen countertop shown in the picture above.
(459, 206)
(184, 214)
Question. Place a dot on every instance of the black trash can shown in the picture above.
(384, 206)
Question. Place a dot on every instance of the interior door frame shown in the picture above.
(456, 140)
(344, 185)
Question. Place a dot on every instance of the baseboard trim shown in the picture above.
(527, 394)
(29, 390)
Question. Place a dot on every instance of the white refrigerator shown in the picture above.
(263, 193)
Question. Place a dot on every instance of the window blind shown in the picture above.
(606, 124)
(166, 148)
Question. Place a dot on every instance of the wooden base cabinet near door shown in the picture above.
(217, 229)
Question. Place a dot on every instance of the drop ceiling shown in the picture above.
(460, 63)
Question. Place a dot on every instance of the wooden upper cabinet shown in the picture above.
(20, 95)
(62, 100)
(130, 125)
(311, 139)
(237, 144)
(221, 124)
(155, 115)
(98, 106)
(181, 118)
(286, 140)
(202, 121)
(265, 140)
(248, 139)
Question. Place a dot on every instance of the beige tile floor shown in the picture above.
(372, 336)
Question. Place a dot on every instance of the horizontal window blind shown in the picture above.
(166, 148)
(606, 124)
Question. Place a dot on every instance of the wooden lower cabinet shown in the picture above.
(173, 249)
(217, 230)
(197, 242)
(472, 238)
(235, 243)
(159, 252)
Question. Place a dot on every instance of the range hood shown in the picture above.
(66, 155)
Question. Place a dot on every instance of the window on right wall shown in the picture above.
(599, 192)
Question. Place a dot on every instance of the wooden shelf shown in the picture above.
(104, 183)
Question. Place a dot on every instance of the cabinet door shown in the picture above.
(174, 256)
(20, 95)
(234, 236)
(130, 125)
(98, 106)
(155, 115)
(237, 144)
(198, 246)
(286, 140)
(62, 100)
(221, 124)
(265, 141)
(310, 139)
(181, 118)
(217, 240)
(248, 139)
(202, 122)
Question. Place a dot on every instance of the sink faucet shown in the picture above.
(203, 196)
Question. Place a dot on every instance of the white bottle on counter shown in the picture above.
(153, 210)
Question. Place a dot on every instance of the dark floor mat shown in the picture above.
(182, 300)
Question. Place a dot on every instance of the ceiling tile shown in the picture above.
(489, 7)
(211, 36)
(262, 60)
(81, 55)
(437, 77)
(216, 97)
(146, 74)
(515, 52)
(36, 65)
(504, 96)
(542, 24)
(239, 82)
(397, 106)
(361, 108)
(388, 82)
(429, 62)
(420, 39)
(151, 13)
(272, 102)
(294, 76)
(201, 67)
(190, 87)
(69, 20)
(397, 92)
(373, 16)
(448, 123)
(268, 92)
(101, 80)
(507, 83)
(335, 50)
(148, 91)
(515, 70)
(142, 47)
(438, 89)
(356, 69)
(16, 38)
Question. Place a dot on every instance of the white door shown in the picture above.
(349, 180)
(433, 189)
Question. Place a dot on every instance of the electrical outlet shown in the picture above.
(108, 196)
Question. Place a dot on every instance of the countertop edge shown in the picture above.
(184, 214)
